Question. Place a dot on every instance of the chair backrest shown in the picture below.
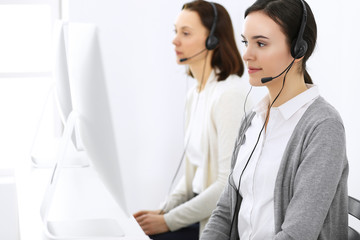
(354, 210)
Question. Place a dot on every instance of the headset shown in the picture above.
(299, 46)
(212, 41)
(298, 49)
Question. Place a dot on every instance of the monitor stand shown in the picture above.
(95, 228)
(101, 228)
(41, 158)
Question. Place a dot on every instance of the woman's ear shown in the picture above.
(298, 59)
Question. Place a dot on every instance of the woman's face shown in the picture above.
(190, 36)
(267, 52)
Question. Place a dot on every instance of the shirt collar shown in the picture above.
(262, 106)
(293, 105)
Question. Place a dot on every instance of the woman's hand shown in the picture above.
(151, 222)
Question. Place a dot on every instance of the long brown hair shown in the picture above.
(226, 55)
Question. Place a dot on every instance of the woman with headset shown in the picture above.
(289, 167)
(204, 40)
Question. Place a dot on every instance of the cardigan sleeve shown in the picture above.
(218, 227)
(226, 115)
(317, 193)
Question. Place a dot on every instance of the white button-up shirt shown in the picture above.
(256, 216)
(194, 150)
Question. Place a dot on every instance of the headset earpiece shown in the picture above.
(299, 45)
(298, 48)
(212, 41)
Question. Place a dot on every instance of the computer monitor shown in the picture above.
(45, 142)
(92, 106)
(61, 72)
(62, 83)
(92, 113)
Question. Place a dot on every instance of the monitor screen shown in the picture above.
(45, 144)
(61, 78)
(90, 101)
(61, 73)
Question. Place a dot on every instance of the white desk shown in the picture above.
(9, 222)
(79, 195)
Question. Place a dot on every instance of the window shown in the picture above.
(25, 73)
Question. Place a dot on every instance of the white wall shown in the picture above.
(148, 88)
(334, 68)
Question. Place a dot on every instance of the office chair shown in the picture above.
(354, 210)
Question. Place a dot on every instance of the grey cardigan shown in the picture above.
(310, 195)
